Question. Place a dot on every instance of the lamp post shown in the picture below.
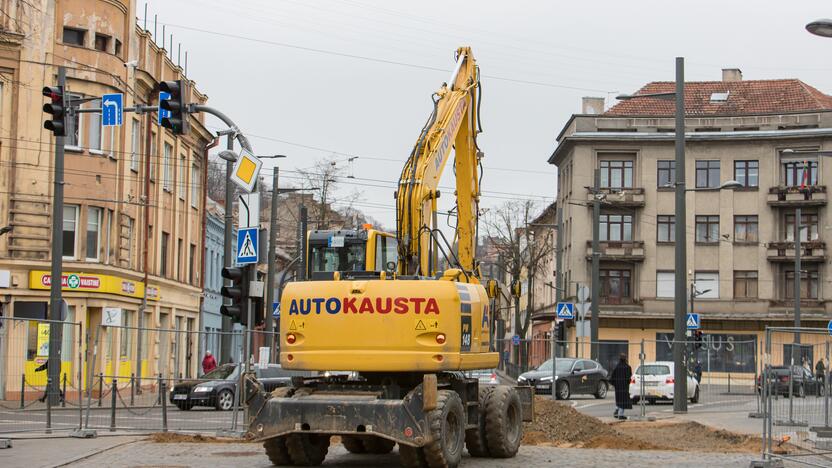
(680, 402)
(821, 27)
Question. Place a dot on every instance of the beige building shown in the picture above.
(134, 214)
(740, 243)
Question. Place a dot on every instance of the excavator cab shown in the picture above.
(350, 251)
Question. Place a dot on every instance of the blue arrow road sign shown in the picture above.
(112, 109)
(829, 327)
(276, 310)
(515, 340)
(163, 96)
(566, 310)
(247, 245)
(692, 321)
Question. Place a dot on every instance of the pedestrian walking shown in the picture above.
(697, 372)
(621, 376)
(208, 363)
(45, 367)
(820, 374)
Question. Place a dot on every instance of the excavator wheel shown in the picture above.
(503, 422)
(475, 438)
(353, 444)
(447, 427)
(412, 457)
(377, 445)
(307, 449)
(277, 452)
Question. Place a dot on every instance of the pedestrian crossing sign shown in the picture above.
(565, 310)
(247, 245)
(693, 322)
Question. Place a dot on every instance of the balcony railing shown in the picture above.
(812, 195)
(618, 250)
(629, 197)
(810, 252)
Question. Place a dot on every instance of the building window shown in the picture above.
(666, 173)
(615, 286)
(616, 174)
(93, 233)
(183, 179)
(73, 133)
(163, 267)
(94, 134)
(808, 227)
(74, 36)
(707, 174)
(117, 49)
(798, 173)
(706, 284)
(745, 284)
(70, 224)
(130, 250)
(196, 184)
(666, 226)
(616, 227)
(745, 229)
(136, 145)
(747, 173)
(180, 259)
(809, 284)
(665, 284)
(191, 264)
(102, 42)
(707, 229)
(166, 174)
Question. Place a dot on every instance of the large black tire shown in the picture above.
(225, 400)
(475, 438)
(563, 391)
(412, 457)
(447, 431)
(353, 444)
(503, 422)
(277, 452)
(601, 391)
(377, 445)
(307, 449)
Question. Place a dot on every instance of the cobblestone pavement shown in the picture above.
(219, 455)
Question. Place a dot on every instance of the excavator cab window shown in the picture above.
(386, 251)
(349, 257)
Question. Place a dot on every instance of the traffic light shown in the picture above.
(698, 338)
(177, 105)
(258, 303)
(57, 122)
(237, 293)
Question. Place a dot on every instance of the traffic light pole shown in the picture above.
(269, 319)
(53, 365)
(228, 253)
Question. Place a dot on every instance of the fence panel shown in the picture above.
(796, 400)
(24, 363)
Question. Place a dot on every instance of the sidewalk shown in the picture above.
(59, 451)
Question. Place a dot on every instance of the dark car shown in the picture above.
(216, 388)
(484, 376)
(801, 381)
(574, 376)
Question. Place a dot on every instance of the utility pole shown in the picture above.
(228, 252)
(272, 266)
(55, 298)
(596, 259)
(680, 389)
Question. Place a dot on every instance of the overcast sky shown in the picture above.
(313, 79)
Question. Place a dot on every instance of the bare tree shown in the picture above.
(522, 250)
(322, 179)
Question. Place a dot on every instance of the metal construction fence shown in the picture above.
(795, 399)
(122, 378)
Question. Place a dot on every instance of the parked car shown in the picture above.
(484, 376)
(802, 381)
(216, 388)
(659, 381)
(574, 377)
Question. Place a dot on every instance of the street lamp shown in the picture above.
(821, 27)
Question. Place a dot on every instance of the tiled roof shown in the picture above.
(744, 97)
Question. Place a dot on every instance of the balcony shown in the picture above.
(783, 251)
(623, 197)
(813, 195)
(618, 250)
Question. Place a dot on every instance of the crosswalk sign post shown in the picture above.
(692, 322)
(247, 245)
(565, 310)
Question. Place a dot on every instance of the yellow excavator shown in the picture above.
(407, 330)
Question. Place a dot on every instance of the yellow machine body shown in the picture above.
(383, 325)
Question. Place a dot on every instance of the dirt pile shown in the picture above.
(560, 425)
(174, 438)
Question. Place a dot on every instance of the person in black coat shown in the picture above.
(620, 379)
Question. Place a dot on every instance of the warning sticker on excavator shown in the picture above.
(294, 326)
(420, 325)
(427, 325)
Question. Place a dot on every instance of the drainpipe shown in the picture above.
(204, 168)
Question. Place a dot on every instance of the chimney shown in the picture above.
(731, 74)
(592, 105)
